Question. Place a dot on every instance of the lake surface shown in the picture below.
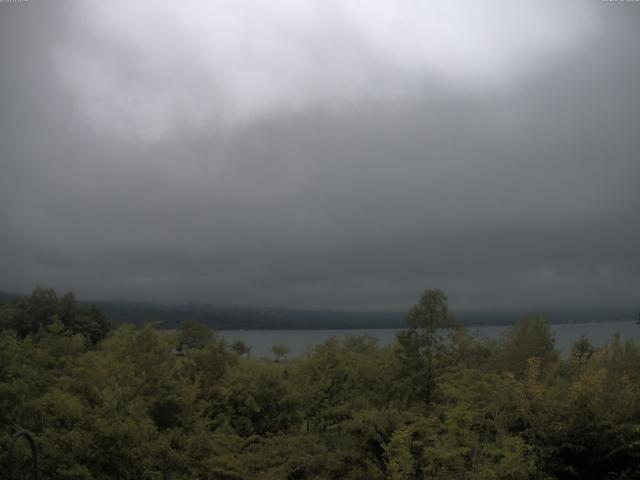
(302, 341)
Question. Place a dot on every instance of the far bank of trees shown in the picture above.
(139, 403)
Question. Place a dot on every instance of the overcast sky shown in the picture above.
(326, 154)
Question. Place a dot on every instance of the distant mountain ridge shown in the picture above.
(250, 318)
(242, 318)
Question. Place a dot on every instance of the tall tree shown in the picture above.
(423, 343)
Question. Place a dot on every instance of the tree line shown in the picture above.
(439, 403)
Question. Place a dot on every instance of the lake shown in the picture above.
(302, 341)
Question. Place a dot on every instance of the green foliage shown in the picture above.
(240, 347)
(280, 352)
(529, 337)
(423, 346)
(259, 400)
(438, 404)
(44, 312)
(193, 335)
(582, 350)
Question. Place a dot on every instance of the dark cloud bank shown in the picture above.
(319, 155)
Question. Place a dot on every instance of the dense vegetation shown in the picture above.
(141, 403)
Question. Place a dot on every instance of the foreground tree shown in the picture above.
(422, 345)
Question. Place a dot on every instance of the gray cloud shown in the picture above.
(322, 154)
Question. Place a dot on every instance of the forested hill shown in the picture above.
(234, 318)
